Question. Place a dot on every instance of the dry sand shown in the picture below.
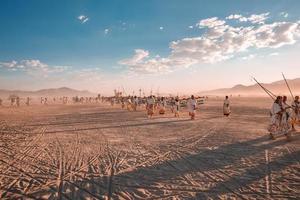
(100, 152)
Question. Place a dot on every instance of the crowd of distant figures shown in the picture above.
(131, 103)
(127, 101)
(16, 101)
(284, 117)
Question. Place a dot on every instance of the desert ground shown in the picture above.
(97, 151)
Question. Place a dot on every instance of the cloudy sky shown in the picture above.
(170, 46)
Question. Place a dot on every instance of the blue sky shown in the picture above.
(101, 45)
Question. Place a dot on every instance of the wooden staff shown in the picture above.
(288, 86)
(273, 96)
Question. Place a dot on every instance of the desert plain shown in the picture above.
(96, 151)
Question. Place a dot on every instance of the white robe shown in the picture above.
(136, 101)
(150, 101)
(192, 105)
(275, 117)
(226, 107)
(295, 116)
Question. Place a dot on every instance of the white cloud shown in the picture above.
(23, 64)
(33, 64)
(254, 19)
(259, 19)
(210, 22)
(138, 57)
(277, 34)
(9, 65)
(219, 42)
(82, 18)
(222, 43)
(284, 14)
(234, 16)
(141, 63)
(106, 31)
(33, 67)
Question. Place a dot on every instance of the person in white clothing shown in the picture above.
(276, 116)
(129, 104)
(135, 103)
(150, 106)
(192, 102)
(226, 107)
(177, 106)
(295, 114)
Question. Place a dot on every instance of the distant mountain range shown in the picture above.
(53, 92)
(277, 87)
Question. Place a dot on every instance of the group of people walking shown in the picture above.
(154, 104)
(160, 104)
(284, 117)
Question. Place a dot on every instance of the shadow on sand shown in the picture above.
(147, 123)
(206, 167)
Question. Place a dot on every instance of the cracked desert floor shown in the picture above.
(101, 152)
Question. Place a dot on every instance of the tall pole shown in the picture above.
(288, 87)
(273, 96)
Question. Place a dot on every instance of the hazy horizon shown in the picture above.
(252, 90)
(167, 47)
